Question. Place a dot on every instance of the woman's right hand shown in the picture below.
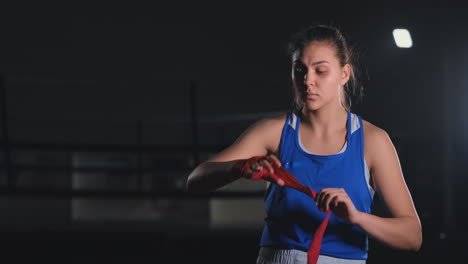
(259, 168)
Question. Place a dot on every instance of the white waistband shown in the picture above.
(268, 255)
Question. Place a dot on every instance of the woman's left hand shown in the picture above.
(338, 201)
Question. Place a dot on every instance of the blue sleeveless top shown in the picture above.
(292, 216)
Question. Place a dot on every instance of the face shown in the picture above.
(318, 76)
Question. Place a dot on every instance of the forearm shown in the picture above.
(209, 176)
(399, 232)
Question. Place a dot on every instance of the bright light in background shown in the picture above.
(402, 38)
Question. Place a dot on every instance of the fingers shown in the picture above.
(272, 158)
(280, 182)
(330, 198)
(264, 163)
(255, 167)
(276, 179)
(273, 162)
(268, 163)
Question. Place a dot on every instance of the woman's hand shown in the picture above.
(338, 201)
(250, 168)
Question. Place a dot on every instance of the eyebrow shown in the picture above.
(315, 63)
(319, 62)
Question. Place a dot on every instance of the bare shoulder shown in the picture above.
(376, 142)
(270, 129)
(273, 122)
(260, 138)
(372, 131)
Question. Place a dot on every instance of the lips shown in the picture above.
(312, 95)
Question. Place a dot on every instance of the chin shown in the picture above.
(312, 106)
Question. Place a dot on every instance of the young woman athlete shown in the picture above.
(327, 148)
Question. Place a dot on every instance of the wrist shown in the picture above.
(358, 218)
(237, 167)
(243, 166)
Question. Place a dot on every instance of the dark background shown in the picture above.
(176, 82)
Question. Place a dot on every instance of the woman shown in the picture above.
(327, 148)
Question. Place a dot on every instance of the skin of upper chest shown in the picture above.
(325, 144)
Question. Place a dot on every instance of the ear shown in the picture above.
(345, 74)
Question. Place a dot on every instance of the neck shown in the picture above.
(323, 121)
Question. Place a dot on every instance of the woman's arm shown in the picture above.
(403, 229)
(260, 138)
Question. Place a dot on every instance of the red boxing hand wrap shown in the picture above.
(245, 165)
(289, 180)
(245, 168)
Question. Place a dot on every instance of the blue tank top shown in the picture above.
(292, 216)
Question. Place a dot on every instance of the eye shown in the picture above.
(299, 69)
(320, 70)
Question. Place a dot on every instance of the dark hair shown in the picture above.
(319, 32)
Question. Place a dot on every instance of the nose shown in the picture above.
(309, 79)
